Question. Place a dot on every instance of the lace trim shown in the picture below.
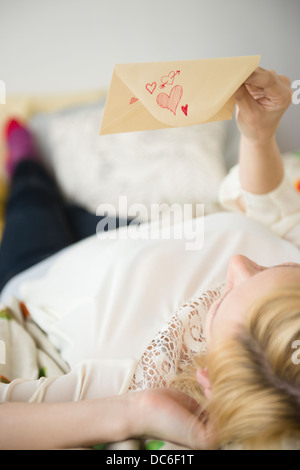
(174, 346)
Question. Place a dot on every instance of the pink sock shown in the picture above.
(20, 144)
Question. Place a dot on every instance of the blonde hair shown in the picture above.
(255, 402)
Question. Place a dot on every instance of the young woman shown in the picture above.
(148, 334)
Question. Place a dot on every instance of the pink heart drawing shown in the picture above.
(170, 101)
(151, 87)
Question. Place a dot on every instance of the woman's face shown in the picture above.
(245, 281)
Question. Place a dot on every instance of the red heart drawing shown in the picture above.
(184, 109)
(133, 100)
(170, 101)
(151, 87)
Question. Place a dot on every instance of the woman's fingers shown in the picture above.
(246, 104)
(285, 80)
(261, 101)
(256, 92)
(174, 416)
(268, 84)
(263, 78)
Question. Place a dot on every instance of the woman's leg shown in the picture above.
(84, 224)
(35, 223)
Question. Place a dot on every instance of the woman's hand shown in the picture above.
(261, 102)
(172, 416)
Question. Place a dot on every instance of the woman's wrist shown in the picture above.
(262, 144)
(111, 419)
(261, 166)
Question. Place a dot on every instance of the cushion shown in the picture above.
(168, 166)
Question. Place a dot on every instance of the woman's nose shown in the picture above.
(240, 269)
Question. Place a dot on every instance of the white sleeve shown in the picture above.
(278, 209)
(90, 379)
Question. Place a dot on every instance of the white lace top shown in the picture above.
(174, 346)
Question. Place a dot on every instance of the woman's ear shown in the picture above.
(203, 380)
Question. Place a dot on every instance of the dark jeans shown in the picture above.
(38, 223)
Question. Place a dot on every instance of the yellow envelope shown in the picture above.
(157, 95)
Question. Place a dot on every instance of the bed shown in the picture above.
(187, 166)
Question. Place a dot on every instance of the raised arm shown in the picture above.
(261, 102)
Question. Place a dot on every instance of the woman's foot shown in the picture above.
(20, 145)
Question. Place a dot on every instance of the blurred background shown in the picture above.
(71, 45)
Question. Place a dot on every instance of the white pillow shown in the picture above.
(180, 165)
